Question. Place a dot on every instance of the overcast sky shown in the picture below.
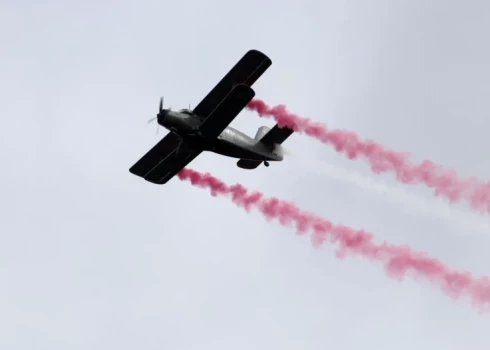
(92, 257)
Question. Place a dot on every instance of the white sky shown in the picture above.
(92, 257)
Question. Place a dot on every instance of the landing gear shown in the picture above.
(266, 163)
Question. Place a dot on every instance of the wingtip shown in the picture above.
(135, 171)
(257, 52)
(245, 89)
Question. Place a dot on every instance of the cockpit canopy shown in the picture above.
(186, 111)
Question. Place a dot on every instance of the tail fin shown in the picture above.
(261, 132)
(252, 164)
(274, 136)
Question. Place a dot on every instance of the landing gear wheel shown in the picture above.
(266, 163)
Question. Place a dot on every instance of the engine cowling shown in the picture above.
(179, 122)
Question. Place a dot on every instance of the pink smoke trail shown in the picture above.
(398, 260)
(445, 182)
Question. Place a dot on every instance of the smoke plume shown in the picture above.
(452, 216)
(445, 182)
(398, 260)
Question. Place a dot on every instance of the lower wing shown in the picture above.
(168, 168)
(164, 160)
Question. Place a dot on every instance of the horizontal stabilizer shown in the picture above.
(248, 164)
(274, 136)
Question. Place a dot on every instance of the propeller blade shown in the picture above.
(152, 119)
(161, 105)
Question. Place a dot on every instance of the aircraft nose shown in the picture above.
(161, 115)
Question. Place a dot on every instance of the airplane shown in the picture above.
(205, 128)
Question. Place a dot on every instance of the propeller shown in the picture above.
(160, 108)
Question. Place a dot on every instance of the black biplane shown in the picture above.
(205, 128)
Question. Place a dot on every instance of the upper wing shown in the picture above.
(276, 135)
(226, 111)
(250, 67)
(163, 162)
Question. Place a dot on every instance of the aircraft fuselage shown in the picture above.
(231, 142)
